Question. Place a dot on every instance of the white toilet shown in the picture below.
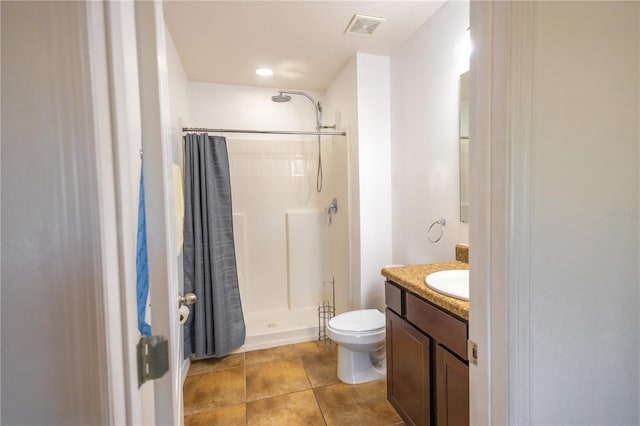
(360, 336)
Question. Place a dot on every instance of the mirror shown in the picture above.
(464, 147)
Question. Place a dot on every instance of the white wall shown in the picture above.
(341, 109)
(424, 130)
(558, 304)
(54, 356)
(359, 100)
(374, 152)
(584, 251)
(179, 95)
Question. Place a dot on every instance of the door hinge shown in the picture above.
(153, 358)
(472, 352)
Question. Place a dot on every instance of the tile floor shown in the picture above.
(285, 385)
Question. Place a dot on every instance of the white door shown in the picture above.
(139, 102)
(159, 201)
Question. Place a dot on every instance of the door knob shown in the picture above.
(187, 299)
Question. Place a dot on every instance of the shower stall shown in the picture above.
(291, 239)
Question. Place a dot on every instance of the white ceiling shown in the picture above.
(302, 41)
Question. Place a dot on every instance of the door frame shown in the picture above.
(501, 112)
(111, 206)
(502, 97)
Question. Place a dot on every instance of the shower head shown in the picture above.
(281, 98)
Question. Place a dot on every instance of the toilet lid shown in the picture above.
(359, 321)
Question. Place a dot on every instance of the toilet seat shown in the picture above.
(363, 321)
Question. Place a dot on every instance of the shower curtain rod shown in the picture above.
(268, 132)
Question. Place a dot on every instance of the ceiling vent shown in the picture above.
(363, 25)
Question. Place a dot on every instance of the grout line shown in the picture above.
(304, 367)
(313, 388)
(324, 419)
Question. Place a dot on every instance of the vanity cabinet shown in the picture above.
(427, 366)
(408, 370)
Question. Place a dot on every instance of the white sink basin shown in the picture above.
(454, 283)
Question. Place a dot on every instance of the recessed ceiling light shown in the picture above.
(264, 72)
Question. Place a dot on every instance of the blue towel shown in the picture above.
(142, 266)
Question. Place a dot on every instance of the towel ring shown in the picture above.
(442, 222)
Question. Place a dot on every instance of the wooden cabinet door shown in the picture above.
(452, 389)
(408, 378)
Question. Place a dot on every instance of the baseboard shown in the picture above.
(270, 340)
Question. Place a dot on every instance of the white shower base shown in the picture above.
(282, 327)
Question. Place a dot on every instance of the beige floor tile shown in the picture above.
(323, 374)
(317, 350)
(273, 378)
(299, 408)
(234, 415)
(320, 362)
(364, 404)
(277, 385)
(272, 354)
(214, 364)
(207, 391)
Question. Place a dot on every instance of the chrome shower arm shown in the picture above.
(317, 105)
(297, 92)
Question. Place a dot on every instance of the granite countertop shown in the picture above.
(412, 278)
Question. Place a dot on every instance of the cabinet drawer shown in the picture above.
(393, 298)
(446, 329)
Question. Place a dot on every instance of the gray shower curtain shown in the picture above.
(216, 324)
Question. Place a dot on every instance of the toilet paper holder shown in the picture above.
(183, 314)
